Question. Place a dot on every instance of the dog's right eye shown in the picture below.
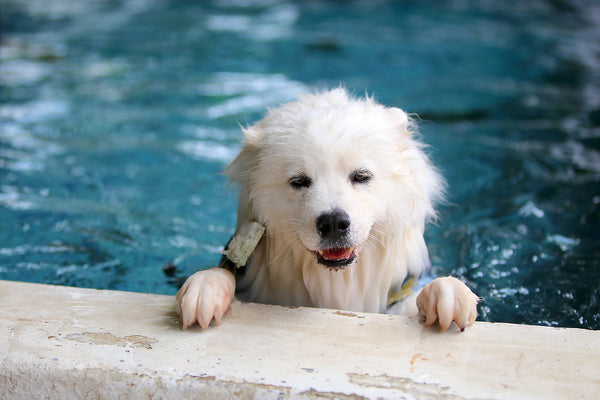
(300, 181)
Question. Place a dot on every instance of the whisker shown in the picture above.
(376, 239)
(273, 233)
(287, 225)
(285, 247)
(294, 221)
(379, 236)
(381, 232)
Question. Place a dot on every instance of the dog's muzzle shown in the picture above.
(333, 228)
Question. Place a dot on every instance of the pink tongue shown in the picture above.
(337, 254)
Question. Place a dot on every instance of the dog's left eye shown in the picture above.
(300, 181)
(360, 176)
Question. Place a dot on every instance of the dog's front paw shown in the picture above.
(446, 300)
(204, 296)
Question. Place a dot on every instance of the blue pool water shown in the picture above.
(116, 118)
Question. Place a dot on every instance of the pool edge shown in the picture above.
(63, 342)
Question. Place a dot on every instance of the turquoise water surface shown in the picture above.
(116, 118)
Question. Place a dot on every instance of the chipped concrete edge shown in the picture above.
(61, 342)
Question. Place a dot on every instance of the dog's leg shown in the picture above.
(205, 296)
(447, 299)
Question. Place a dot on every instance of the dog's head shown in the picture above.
(330, 174)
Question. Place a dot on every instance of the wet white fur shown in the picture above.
(327, 136)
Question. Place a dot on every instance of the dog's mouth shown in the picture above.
(337, 257)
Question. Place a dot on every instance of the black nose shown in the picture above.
(333, 225)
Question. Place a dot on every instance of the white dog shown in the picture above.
(343, 189)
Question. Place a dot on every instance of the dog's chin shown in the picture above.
(337, 258)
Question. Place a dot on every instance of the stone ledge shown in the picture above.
(60, 342)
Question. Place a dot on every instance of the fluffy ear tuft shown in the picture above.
(401, 120)
(239, 169)
(426, 186)
(240, 173)
(253, 135)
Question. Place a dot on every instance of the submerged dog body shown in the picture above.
(344, 190)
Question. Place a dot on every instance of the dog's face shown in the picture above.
(327, 176)
(331, 200)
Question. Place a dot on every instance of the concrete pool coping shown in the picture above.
(62, 342)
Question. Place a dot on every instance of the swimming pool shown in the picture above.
(116, 118)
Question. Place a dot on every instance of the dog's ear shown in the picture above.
(401, 121)
(239, 170)
(253, 135)
(423, 186)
